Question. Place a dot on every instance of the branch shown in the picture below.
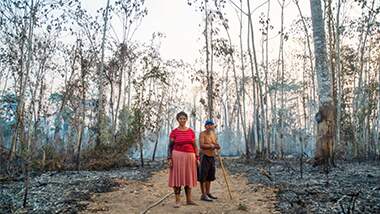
(157, 203)
(241, 10)
(266, 174)
(262, 4)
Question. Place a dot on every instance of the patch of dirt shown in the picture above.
(136, 196)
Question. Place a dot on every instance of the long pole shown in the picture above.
(224, 175)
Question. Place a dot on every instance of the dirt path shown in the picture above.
(136, 196)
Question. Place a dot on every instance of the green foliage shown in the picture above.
(124, 136)
(53, 159)
(104, 130)
(105, 156)
(56, 97)
(138, 123)
(243, 207)
(113, 154)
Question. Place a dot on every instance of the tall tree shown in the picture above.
(326, 114)
(207, 34)
(101, 121)
(281, 78)
(256, 79)
(338, 75)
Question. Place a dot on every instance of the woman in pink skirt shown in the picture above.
(183, 160)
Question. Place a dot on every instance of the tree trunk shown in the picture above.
(101, 120)
(312, 70)
(16, 137)
(111, 107)
(66, 96)
(208, 71)
(83, 113)
(114, 125)
(141, 149)
(158, 125)
(240, 91)
(359, 101)
(280, 78)
(255, 78)
(332, 62)
(339, 81)
(22, 102)
(241, 107)
(377, 131)
(155, 146)
(266, 86)
(325, 116)
(282, 118)
(303, 97)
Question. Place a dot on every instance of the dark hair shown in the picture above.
(182, 113)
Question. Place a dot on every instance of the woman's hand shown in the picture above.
(170, 163)
(198, 163)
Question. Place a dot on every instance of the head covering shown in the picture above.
(209, 122)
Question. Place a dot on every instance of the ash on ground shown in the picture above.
(67, 191)
(347, 188)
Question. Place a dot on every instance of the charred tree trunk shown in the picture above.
(159, 125)
(326, 114)
(82, 109)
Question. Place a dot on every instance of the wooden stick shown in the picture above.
(224, 175)
(157, 203)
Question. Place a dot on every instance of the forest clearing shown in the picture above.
(129, 106)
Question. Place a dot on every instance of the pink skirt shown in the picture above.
(184, 170)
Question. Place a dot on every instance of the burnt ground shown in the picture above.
(347, 188)
(351, 187)
(67, 191)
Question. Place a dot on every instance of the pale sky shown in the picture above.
(183, 25)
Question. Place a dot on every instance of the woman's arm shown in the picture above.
(196, 149)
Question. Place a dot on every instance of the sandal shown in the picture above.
(211, 196)
(177, 205)
(191, 203)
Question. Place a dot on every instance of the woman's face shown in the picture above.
(182, 120)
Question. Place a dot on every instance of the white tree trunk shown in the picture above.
(325, 117)
(266, 86)
(208, 70)
(101, 76)
(359, 101)
(241, 109)
(254, 67)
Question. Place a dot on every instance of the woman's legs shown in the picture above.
(189, 200)
(177, 193)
